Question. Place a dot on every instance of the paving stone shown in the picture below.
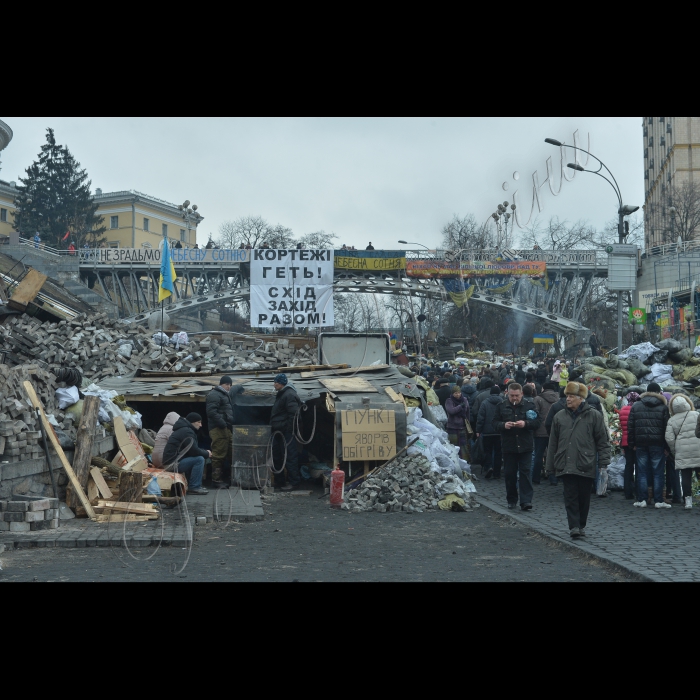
(658, 545)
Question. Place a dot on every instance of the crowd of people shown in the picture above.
(532, 425)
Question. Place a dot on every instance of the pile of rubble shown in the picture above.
(409, 485)
(100, 347)
(20, 434)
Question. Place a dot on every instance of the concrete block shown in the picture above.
(4, 527)
(40, 504)
(13, 517)
(41, 525)
(37, 517)
(53, 503)
(20, 527)
(51, 514)
(55, 524)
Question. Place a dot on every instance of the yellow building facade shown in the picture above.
(132, 219)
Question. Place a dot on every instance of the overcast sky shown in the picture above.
(366, 179)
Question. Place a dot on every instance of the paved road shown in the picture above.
(301, 539)
(661, 545)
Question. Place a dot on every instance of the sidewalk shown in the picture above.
(657, 545)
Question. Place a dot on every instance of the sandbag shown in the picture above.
(598, 361)
(637, 368)
(682, 356)
(670, 345)
(612, 362)
(658, 358)
(599, 381)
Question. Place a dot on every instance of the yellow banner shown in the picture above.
(440, 268)
(373, 264)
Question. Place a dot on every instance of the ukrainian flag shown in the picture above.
(167, 274)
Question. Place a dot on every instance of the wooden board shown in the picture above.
(135, 508)
(83, 446)
(26, 291)
(352, 370)
(312, 368)
(368, 435)
(101, 484)
(349, 385)
(127, 446)
(125, 518)
(189, 390)
(398, 398)
(59, 451)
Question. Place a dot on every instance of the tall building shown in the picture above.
(133, 219)
(669, 162)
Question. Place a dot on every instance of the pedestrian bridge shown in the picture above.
(209, 278)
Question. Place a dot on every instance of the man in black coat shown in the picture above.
(646, 435)
(287, 405)
(594, 345)
(516, 420)
(220, 420)
(443, 392)
(484, 390)
(490, 437)
(184, 438)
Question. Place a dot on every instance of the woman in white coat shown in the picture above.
(681, 440)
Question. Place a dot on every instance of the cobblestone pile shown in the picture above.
(406, 486)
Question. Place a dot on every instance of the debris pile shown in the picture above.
(410, 485)
(29, 514)
(99, 348)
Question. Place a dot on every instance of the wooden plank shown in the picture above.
(83, 446)
(130, 487)
(92, 491)
(347, 385)
(26, 291)
(59, 451)
(101, 484)
(398, 398)
(312, 368)
(136, 508)
(352, 370)
(125, 445)
(189, 390)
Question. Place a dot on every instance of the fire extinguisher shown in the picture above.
(337, 487)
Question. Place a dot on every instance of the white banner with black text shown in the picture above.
(291, 289)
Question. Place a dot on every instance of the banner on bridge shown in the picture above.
(291, 289)
(471, 268)
(370, 260)
(152, 256)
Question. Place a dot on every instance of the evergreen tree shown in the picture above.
(61, 200)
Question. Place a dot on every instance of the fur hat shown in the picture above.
(576, 389)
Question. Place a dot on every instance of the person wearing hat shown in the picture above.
(220, 419)
(443, 392)
(182, 444)
(287, 405)
(682, 442)
(646, 434)
(578, 442)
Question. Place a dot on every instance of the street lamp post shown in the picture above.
(190, 215)
(623, 211)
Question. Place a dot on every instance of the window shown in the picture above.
(165, 229)
(3, 214)
(115, 222)
(113, 244)
(183, 235)
(146, 225)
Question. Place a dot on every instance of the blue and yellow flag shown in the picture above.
(167, 274)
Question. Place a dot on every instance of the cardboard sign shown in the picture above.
(368, 435)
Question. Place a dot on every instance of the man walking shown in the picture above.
(287, 405)
(517, 420)
(646, 435)
(184, 438)
(543, 404)
(220, 417)
(578, 441)
(490, 437)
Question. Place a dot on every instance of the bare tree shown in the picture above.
(319, 240)
(466, 234)
(254, 231)
(686, 201)
(559, 234)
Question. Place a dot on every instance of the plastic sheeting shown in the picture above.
(109, 410)
(641, 352)
(67, 397)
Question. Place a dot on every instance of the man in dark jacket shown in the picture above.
(578, 444)
(184, 438)
(516, 420)
(220, 419)
(443, 391)
(484, 393)
(287, 405)
(490, 437)
(543, 404)
(646, 434)
(541, 374)
(469, 392)
(594, 345)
